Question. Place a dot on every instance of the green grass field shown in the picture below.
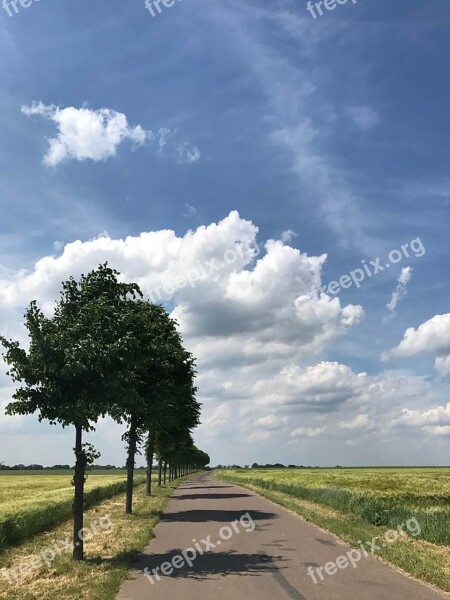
(359, 504)
(108, 553)
(32, 489)
(34, 502)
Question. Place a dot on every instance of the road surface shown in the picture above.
(239, 546)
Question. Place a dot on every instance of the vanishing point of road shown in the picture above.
(269, 562)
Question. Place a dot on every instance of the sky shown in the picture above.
(277, 177)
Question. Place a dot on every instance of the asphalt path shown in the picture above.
(219, 539)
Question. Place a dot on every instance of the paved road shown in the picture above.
(266, 556)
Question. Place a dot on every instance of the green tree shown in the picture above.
(159, 368)
(74, 367)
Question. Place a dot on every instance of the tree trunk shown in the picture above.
(160, 473)
(165, 473)
(78, 500)
(150, 452)
(132, 440)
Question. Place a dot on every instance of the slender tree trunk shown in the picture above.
(150, 452)
(160, 473)
(78, 500)
(132, 441)
(165, 473)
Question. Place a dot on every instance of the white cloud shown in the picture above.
(325, 386)
(431, 336)
(249, 319)
(364, 117)
(308, 432)
(435, 421)
(359, 422)
(270, 422)
(257, 327)
(86, 134)
(400, 291)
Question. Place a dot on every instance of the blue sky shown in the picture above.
(327, 136)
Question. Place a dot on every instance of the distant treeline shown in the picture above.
(59, 468)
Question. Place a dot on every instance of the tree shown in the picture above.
(178, 411)
(159, 368)
(182, 412)
(74, 368)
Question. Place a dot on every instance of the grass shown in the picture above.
(23, 490)
(108, 555)
(31, 504)
(360, 504)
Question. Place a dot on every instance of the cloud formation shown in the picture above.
(435, 420)
(87, 134)
(433, 336)
(259, 330)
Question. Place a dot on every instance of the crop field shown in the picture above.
(32, 502)
(108, 553)
(381, 497)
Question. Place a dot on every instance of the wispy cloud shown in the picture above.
(400, 291)
(364, 117)
(288, 235)
(296, 126)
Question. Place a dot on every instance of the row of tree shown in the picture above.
(107, 351)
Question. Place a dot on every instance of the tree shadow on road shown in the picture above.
(203, 487)
(211, 496)
(225, 516)
(209, 565)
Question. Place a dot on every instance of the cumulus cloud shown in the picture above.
(330, 399)
(257, 326)
(432, 336)
(266, 306)
(400, 291)
(253, 315)
(435, 421)
(87, 134)
(324, 386)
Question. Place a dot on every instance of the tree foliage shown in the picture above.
(107, 351)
